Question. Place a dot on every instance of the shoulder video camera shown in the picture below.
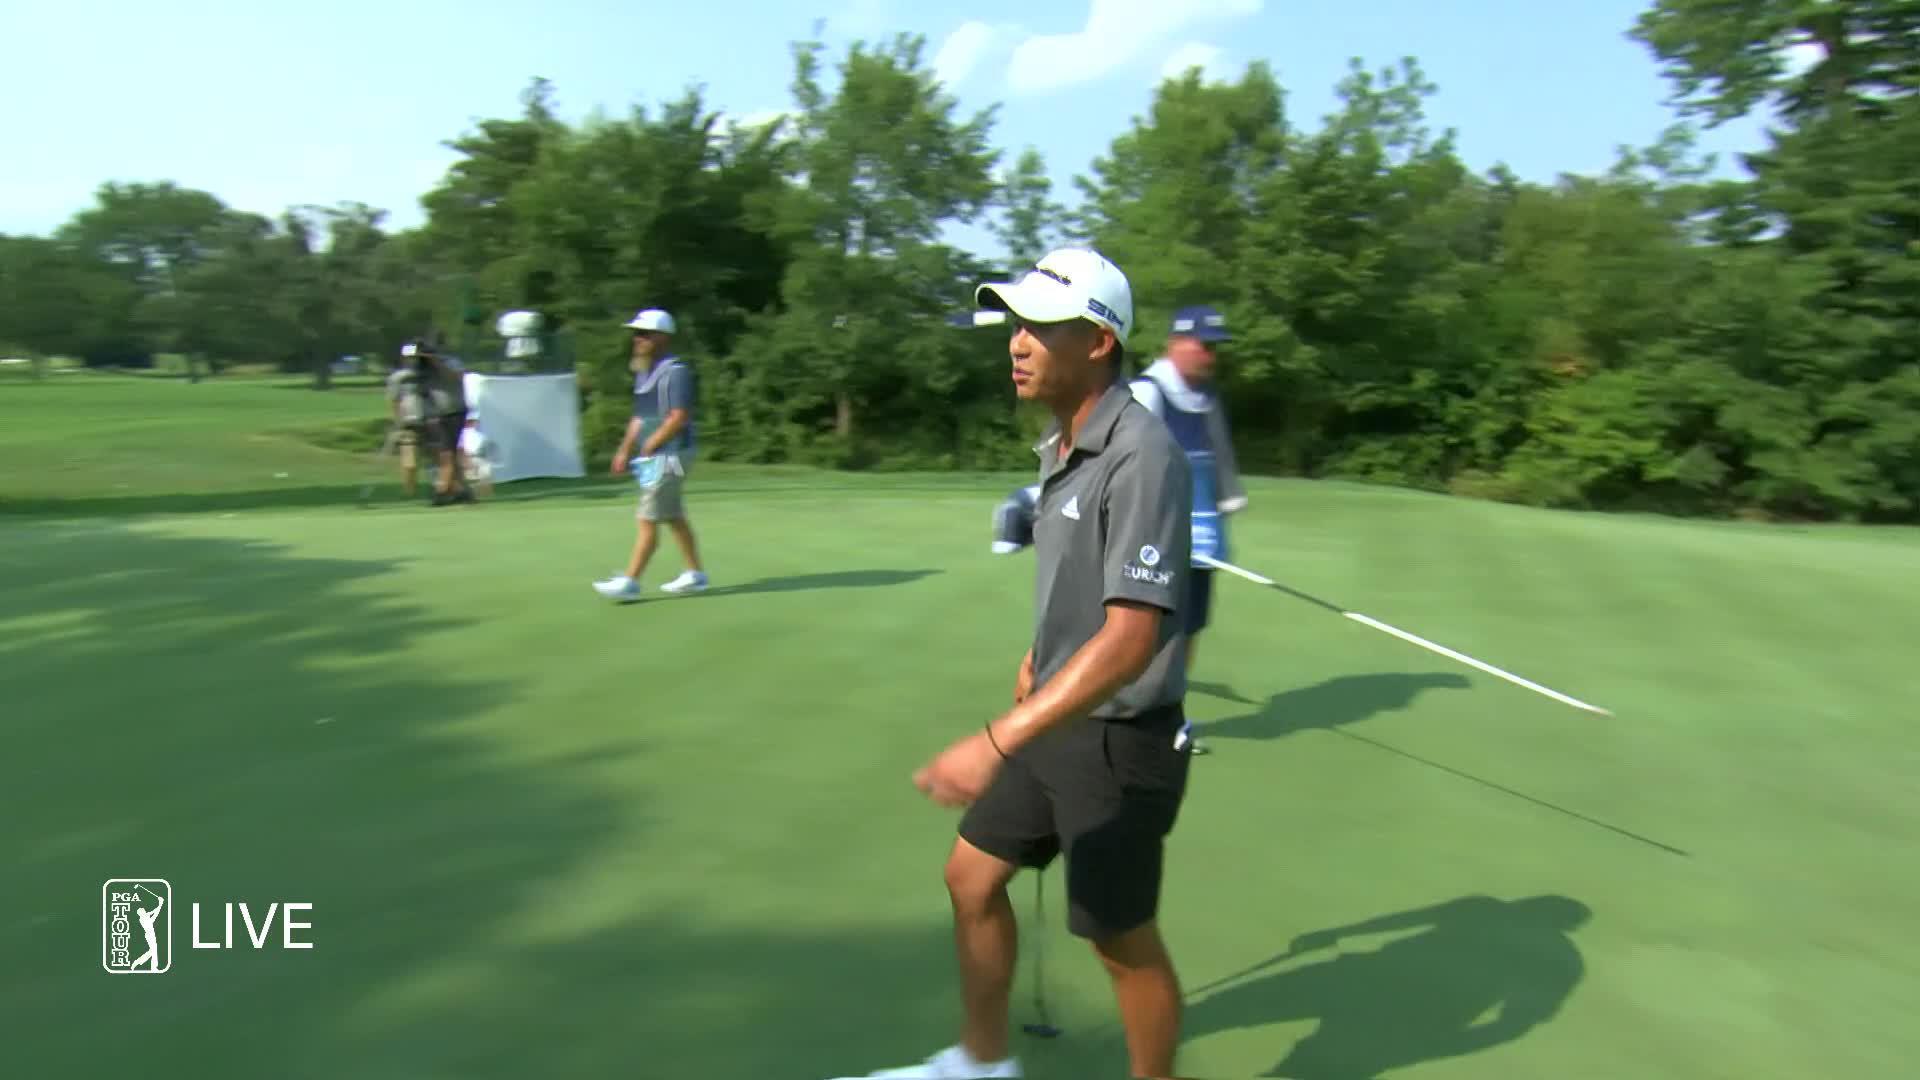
(420, 356)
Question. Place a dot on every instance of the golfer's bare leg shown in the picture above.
(444, 482)
(683, 536)
(647, 539)
(409, 470)
(1148, 991)
(986, 940)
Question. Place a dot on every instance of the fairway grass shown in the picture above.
(548, 836)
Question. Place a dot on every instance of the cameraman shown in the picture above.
(429, 400)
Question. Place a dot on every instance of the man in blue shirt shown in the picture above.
(663, 394)
(1180, 389)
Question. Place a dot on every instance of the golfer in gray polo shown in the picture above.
(1084, 763)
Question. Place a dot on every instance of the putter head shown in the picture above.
(1041, 1031)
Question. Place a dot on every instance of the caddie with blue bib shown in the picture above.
(658, 448)
(1180, 388)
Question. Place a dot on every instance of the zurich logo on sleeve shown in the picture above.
(1141, 568)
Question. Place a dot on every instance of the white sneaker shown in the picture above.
(953, 1063)
(618, 587)
(689, 581)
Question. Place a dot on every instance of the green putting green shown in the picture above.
(545, 835)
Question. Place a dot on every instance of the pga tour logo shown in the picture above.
(136, 926)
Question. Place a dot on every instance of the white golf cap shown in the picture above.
(651, 319)
(1069, 283)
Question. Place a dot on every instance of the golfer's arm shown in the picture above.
(676, 419)
(626, 441)
(1115, 656)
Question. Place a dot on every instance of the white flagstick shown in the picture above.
(1465, 659)
(1365, 620)
(1232, 569)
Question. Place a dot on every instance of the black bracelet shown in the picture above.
(991, 741)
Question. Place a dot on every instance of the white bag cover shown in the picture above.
(532, 422)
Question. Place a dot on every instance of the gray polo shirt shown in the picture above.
(1111, 523)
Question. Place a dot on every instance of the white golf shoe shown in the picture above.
(953, 1063)
(618, 587)
(690, 581)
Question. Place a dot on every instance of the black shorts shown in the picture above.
(450, 425)
(1199, 599)
(1107, 794)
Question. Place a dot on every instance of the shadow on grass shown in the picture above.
(252, 726)
(1335, 703)
(1219, 690)
(1341, 702)
(165, 699)
(386, 494)
(1466, 975)
(841, 579)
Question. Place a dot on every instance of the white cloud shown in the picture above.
(1116, 34)
(1194, 54)
(962, 52)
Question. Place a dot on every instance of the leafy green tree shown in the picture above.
(880, 163)
(1030, 221)
(1175, 197)
(57, 299)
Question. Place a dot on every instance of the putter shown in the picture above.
(1042, 1028)
(1369, 621)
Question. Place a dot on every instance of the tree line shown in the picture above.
(1650, 338)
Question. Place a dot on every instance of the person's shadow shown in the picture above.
(839, 579)
(1335, 703)
(1479, 972)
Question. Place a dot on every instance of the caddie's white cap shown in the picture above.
(1068, 283)
(651, 319)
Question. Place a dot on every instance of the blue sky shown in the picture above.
(268, 105)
